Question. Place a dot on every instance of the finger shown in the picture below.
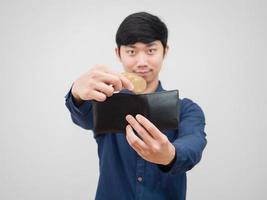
(118, 85)
(104, 88)
(133, 140)
(137, 149)
(112, 79)
(126, 83)
(150, 127)
(140, 130)
(98, 96)
(108, 78)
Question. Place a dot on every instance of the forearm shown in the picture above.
(188, 151)
(81, 114)
(191, 138)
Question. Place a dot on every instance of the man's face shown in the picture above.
(143, 59)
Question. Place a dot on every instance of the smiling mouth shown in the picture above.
(142, 73)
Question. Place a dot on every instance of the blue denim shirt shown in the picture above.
(124, 175)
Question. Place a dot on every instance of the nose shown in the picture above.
(141, 60)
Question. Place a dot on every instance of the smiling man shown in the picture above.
(144, 60)
(144, 163)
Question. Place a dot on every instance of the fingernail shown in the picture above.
(128, 127)
(138, 116)
(128, 117)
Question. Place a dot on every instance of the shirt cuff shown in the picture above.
(167, 168)
(83, 109)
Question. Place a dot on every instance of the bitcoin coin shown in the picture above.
(138, 82)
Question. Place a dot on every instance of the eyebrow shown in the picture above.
(148, 45)
(151, 44)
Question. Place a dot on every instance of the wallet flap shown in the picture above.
(163, 109)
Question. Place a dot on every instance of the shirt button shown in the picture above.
(139, 178)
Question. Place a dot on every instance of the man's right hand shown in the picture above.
(98, 84)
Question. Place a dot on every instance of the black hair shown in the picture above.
(141, 27)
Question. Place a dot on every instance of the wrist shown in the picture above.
(168, 166)
(76, 98)
(172, 155)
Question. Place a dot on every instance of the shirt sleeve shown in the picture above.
(81, 115)
(191, 139)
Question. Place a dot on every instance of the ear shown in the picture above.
(166, 51)
(117, 51)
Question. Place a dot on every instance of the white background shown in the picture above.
(217, 58)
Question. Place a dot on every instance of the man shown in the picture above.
(142, 163)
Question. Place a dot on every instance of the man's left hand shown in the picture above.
(152, 145)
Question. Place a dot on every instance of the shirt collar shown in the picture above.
(159, 88)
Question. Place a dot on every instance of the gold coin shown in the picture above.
(138, 82)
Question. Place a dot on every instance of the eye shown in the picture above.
(151, 51)
(130, 52)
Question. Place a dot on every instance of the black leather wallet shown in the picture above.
(161, 108)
